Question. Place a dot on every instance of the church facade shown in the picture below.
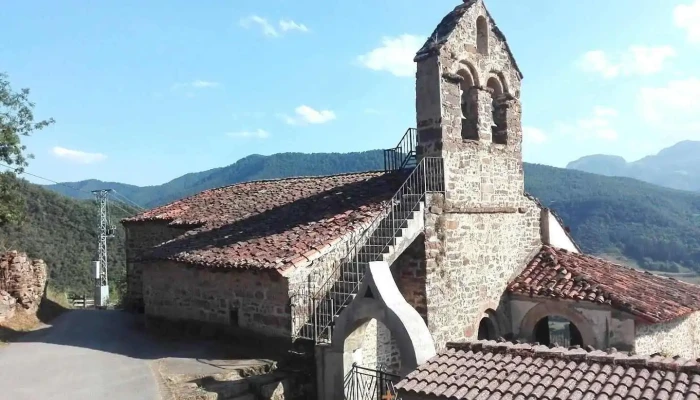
(389, 269)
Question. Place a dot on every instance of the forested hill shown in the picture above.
(659, 228)
(63, 232)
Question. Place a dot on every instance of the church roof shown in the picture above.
(558, 273)
(442, 33)
(491, 370)
(273, 223)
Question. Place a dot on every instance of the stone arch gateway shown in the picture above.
(386, 305)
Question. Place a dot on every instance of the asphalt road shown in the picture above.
(86, 354)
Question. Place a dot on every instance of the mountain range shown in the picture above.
(676, 167)
(655, 227)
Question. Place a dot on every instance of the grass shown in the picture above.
(52, 305)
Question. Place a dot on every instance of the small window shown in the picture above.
(499, 132)
(233, 316)
(487, 331)
(482, 36)
(469, 124)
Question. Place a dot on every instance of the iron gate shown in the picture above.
(370, 384)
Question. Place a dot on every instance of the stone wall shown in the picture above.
(409, 273)
(7, 306)
(141, 237)
(379, 348)
(680, 337)
(23, 278)
(254, 300)
(471, 257)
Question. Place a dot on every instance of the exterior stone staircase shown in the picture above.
(384, 240)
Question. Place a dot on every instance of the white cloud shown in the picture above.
(267, 28)
(394, 56)
(687, 17)
(601, 111)
(257, 134)
(597, 126)
(636, 60)
(77, 155)
(196, 84)
(675, 107)
(308, 115)
(534, 135)
(289, 25)
(204, 84)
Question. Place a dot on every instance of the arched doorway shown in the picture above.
(404, 336)
(556, 330)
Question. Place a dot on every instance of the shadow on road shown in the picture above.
(124, 333)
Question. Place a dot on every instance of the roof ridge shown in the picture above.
(611, 356)
(136, 218)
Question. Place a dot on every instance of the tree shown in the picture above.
(16, 120)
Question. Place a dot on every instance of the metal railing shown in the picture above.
(404, 154)
(369, 384)
(314, 309)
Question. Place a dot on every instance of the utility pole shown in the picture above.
(105, 231)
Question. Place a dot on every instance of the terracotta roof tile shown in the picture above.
(507, 370)
(273, 223)
(575, 276)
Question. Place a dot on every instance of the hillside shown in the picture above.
(62, 231)
(253, 167)
(676, 167)
(656, 227)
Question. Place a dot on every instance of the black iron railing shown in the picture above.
(314, 309)
(370, 384)
(404, 154)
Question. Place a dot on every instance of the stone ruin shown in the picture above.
(22, 283)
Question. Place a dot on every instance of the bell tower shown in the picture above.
(468, 108)
(480, 232)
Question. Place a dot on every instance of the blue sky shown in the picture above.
(143, 92)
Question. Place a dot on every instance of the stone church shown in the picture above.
(412, 272)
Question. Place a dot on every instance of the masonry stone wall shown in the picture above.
(254, 300)
(680, 337)
(23, 278)
(141, 237)
(471, 257)
(409, 273)
(379, 348)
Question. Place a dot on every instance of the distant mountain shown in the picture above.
(253, 167)
(658, 228)
(676, 167)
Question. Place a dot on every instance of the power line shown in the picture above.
(139, 208)
(127, 199)
(46, 179)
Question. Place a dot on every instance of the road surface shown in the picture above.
(85, 354)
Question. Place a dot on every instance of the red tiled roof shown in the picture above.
(270, 224)
(566, 275)
(491, 370)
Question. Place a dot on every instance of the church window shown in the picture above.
(499, 133)
(487, 330)
(482, 36)
(467, 107)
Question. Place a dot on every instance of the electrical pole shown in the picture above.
(105, 231)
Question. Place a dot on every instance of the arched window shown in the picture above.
(499, 132)
(469, 126)
(557, 330)
(482, 36)
(487, 330)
